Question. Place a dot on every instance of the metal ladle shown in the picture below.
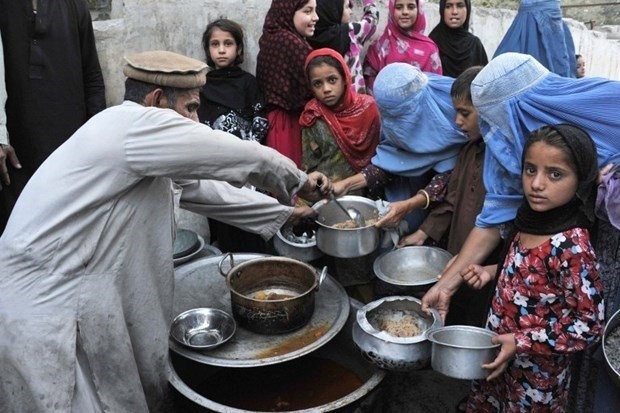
(351, 212)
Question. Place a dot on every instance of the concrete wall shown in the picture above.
(177, 25)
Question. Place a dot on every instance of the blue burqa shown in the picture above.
(418, 133)
(515, 95)
(538, 30)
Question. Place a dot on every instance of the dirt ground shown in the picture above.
(423, 391)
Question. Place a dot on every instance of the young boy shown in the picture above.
(456, 215)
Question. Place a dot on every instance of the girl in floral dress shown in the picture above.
(548, 301)
(403, 41)
(336, 31)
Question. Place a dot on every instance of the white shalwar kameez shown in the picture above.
(86, 276)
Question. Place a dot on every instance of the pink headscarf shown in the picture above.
(398, 45)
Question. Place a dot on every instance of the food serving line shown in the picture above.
(281, 335)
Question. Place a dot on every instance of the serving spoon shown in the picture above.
(352, 213)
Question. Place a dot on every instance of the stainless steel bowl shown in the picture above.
(460, 351)
(349, 242)
(411, 268)
(203, 328)
(391, 352)
(612, 368)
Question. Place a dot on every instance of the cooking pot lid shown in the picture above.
(185, 243)
(200, 284)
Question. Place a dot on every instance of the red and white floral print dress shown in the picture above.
(550, 297)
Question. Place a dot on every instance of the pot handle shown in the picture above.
(322, 277)
(232, 263)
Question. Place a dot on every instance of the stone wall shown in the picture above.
(177, 25)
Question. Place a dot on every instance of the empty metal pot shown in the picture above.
(460, 351)
(303, 251)
(409, 270)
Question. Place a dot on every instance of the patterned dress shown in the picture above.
(550, 297)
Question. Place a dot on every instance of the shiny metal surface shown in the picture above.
(612, 324)
(185, 242)
(203, 328)
(300, 251)
(199, 284)
(351, 212)
(348, 242)
(184, 374)
(411, 266)
(387, 351)
(460, 351)
(203, 250)
(290, 283)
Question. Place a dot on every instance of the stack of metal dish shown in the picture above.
(189, 245)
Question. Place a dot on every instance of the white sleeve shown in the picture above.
(241, 207)
(162, 143)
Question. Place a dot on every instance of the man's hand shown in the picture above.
(7, 152)
(317, 186)
(506, 353)
(300, 213)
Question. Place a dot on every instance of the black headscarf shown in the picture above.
(579, 212)
(330, 31)
(458, 48)
(229, 88)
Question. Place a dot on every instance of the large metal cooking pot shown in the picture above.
(460, 351)
(612, 368)
(271, 295)
(349, 242)
(385, 350)
(186, 377)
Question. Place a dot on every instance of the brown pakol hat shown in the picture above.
(163, 68)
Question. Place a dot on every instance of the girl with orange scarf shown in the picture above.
(340, 128)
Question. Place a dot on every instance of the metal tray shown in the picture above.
(200, 284)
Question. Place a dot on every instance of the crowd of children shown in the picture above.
(406, 122)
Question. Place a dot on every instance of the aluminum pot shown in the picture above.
(286, 246)
(271, 295)
(385, 350)
(349, 242)
(612, 367)
(460, 351)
